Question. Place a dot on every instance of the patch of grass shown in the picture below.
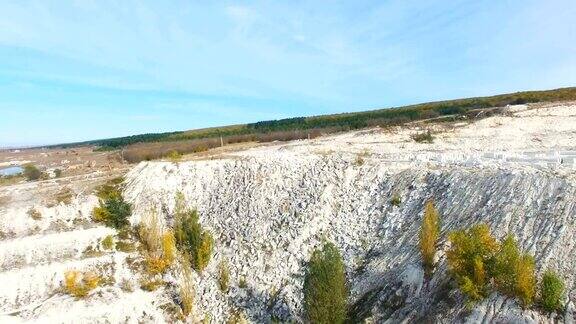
(126, 285)
(242, 282)
(108, 242)
(64, 196)
(79, 284)
(111, 189)
(10, 180)
(237, 317)
(126, 247)
(223, 276)
(359, 160)
(174, 156)
(126, 233)
(151, 284)
(91, 252)
(424, 137)
(396, 200)
(160, 248)
(186, 290)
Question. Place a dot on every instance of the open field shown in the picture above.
(71, 162)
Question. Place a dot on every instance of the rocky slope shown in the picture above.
(269, 207)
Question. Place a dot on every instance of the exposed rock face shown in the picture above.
(267, 216)
(269, 207)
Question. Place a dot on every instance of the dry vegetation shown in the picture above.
(476, 259)
(186, 289)
(79, 284)
(429, 233)
(159, 246)
(175, 149)
(64, 196)
(34, 214)
(108, 242)
(223, 276)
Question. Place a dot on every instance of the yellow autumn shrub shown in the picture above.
(471, 250)
(429, 232)
(79, 284)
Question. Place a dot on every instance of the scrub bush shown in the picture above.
(325, 291)
(79, 284)
(551, 291)
(514, 272)
(425, 137)
(108, 242)
(113, 212)
(192, 239)
(471, 253)
(31, 172)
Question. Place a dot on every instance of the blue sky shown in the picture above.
(79, 70)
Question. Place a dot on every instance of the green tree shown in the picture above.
(325, 291)
(551, 291)
(428, 236)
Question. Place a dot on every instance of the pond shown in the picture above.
(10, 171)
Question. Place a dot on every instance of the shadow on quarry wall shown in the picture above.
(397, 299)
(264, 307)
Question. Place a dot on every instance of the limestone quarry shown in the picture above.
(269, 206)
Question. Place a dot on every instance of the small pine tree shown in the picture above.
(471, 253)
(114, 211)
(191, 237)
(204, 252)
(325, 291)
(505, 265)
(551, 291)
(514, 272)
(525, 285)
(428, 236)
